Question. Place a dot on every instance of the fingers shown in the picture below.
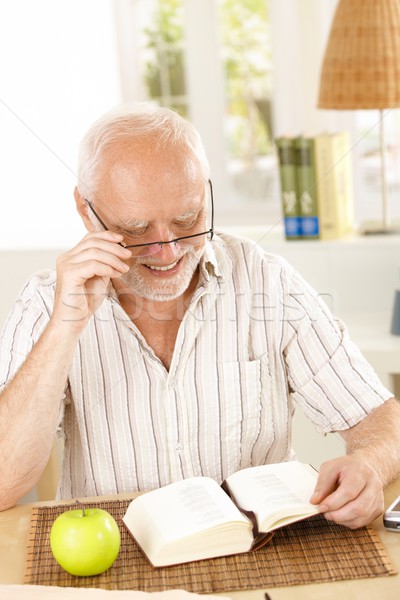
(95, 261)
(327, 482)
(83, 275)
(103, 242)
(348, 492)
(98, 254)
(80, 272)
(107, 240)
(357, 513)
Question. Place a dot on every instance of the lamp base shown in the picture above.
(378, 228)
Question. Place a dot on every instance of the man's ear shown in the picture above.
(82, 208)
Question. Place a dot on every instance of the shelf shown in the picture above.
(267, 234)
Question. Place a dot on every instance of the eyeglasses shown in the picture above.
(153, 247)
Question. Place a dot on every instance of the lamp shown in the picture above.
(361, 70)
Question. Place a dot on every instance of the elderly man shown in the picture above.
(161, 350)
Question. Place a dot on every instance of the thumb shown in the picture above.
(326, 484)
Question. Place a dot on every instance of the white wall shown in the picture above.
(15, 268)
(58, 72)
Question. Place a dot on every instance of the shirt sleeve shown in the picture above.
(328, 375)
(22, 329)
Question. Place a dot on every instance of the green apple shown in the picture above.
(85, 541)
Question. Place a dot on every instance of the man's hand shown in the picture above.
(30, 403)
(348, 492)
(83, 275)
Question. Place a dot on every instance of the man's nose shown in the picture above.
(168, 250)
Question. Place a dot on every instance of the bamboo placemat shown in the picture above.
(310, 551)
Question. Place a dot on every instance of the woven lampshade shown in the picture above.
(361, 67)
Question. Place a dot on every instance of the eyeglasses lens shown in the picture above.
(157, 246)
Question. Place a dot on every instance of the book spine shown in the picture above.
(306, 184)
(288, 181)
(327, 195)
(333, 172)
(344, 156)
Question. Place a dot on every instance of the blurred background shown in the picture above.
(243, 71)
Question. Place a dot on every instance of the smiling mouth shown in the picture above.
(163, 268)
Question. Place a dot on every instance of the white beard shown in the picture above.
(163, 290)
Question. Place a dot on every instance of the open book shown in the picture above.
(195, 518)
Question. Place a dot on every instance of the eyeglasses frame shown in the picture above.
(163, 243)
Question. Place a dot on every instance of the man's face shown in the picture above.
(150, 201)
(145, 279)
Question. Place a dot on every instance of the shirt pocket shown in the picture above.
(239, 395)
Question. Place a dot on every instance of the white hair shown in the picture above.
(135, 121)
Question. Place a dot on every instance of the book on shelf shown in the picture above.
(288, 182)
(196, 518)
(306, 186)
(323, 172)
(334, 184)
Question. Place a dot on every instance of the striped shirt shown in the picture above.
(255, 340)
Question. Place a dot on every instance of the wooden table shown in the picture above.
(14, 525)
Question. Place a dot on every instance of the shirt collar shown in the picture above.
(215, 261)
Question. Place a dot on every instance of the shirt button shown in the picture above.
(172, 382)
(178, 447)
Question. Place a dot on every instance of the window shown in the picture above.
(162, 54)
(247, 66)
(211, 61)
(246, 57)
(368, 171)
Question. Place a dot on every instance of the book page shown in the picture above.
(277, 489)
(183, 509)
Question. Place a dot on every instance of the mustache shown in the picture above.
(153, 260)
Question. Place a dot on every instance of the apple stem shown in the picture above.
(81, 505)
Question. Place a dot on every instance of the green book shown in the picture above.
(307, 188)
(288, 181)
